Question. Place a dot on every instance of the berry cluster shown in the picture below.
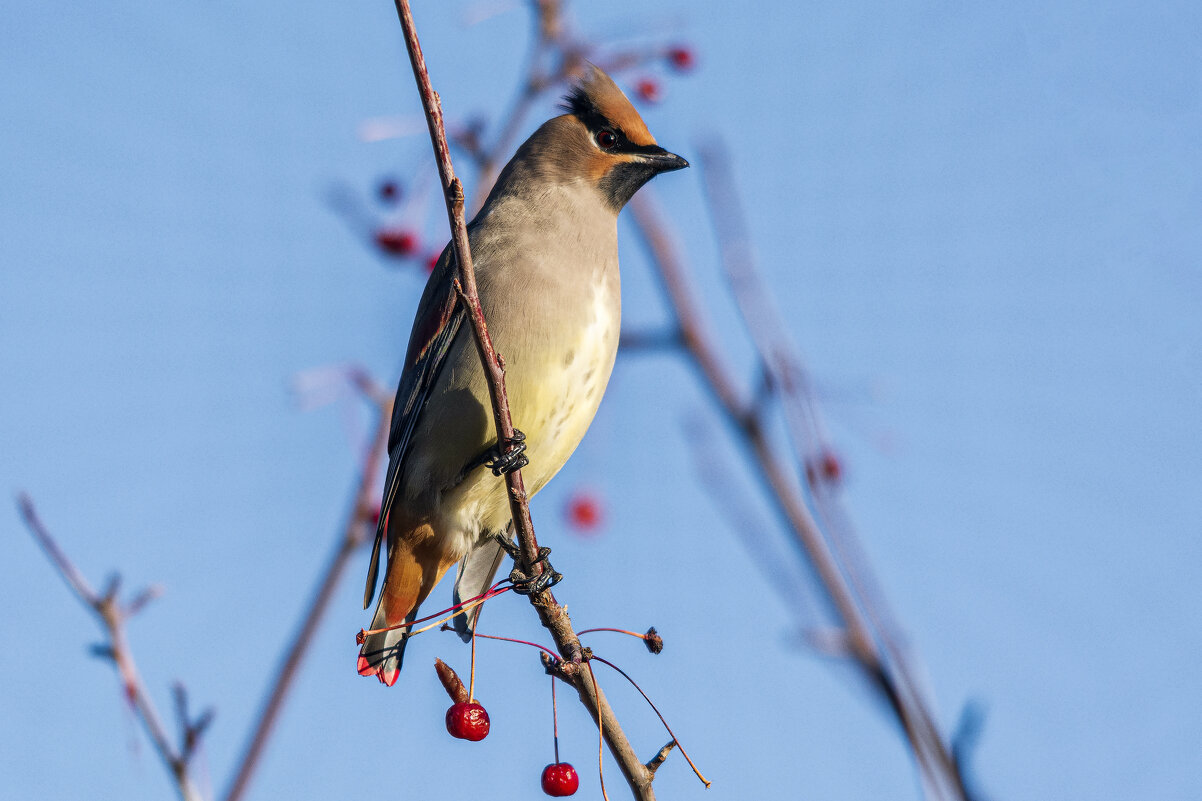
(679, 58)
(468, 720)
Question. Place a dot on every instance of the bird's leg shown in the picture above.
(529, 585)
(506, 456)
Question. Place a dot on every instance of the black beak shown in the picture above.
(661, 160)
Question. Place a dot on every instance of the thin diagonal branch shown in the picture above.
(553, 616)
(112, 617)
(354, 534)
(783, 361)
(784, 493)
(740, 412)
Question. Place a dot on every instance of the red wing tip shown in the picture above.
(386, 677)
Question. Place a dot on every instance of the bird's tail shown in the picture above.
(413, 570)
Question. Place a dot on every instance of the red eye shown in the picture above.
(606, 139)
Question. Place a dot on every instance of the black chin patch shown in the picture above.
(623, 180)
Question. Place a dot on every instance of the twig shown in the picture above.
(658, 714)
(660, 755)
(354, 534)
(704, 356)
(600, 736)
(552, 615)
(549, 32)
(112, 617)
(890, 672)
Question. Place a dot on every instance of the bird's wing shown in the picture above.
(439, 319)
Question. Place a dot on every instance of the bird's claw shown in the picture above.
(510, 548)
(507, 455)
(530, 585)
(533, 585)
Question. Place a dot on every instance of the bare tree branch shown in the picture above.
(112, 616)
(891, 672)
(355, 531)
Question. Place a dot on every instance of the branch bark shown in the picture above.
(554, 617)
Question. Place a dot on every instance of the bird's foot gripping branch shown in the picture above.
(507, 455)
(542, 576)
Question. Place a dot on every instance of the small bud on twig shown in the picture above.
(103, 651)
(657, 760)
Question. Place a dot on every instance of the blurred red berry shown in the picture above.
(584, 512)
(467, 721)
(396, 241)
(681, 58)
(389, 191)
(649, 90)
(825, 468)
(432, 262)
(560, 779)
(832, 469)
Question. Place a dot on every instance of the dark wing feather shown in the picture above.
(439, 318)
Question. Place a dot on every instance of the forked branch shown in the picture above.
(112, 615)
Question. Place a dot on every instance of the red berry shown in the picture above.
(825, 468)
(389, 191)
(681, 58)
(649, 90)
(560, 779)
(432, 262)
(584, 512)
(832, 470)
(467, 721)
(396, 241)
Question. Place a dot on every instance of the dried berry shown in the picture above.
(467, 721)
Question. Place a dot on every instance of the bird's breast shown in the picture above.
(557, 403)
(553, 305)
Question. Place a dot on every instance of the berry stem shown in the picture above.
(463, 606)
(619, 631)
(554, 655)
(704, 780)
(601, 732)
(471, 680)
(555, 719)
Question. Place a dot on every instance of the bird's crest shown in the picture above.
(598, 103)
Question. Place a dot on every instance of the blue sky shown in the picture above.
(983, 227)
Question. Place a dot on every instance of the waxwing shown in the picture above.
(545, 249)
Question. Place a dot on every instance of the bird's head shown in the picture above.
(601, 141)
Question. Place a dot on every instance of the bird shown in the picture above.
(545, 250)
